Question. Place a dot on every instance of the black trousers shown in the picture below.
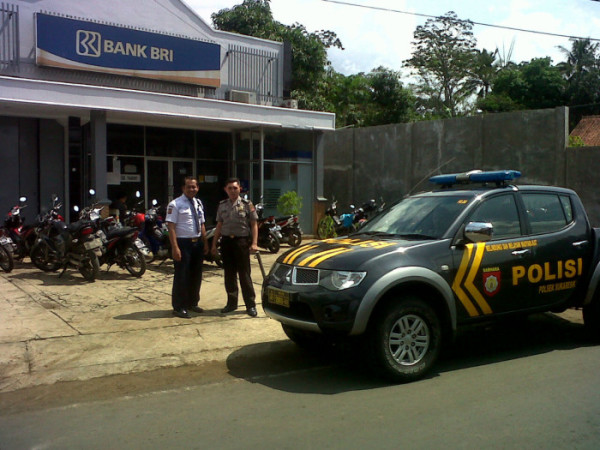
(188, 274)
(236, 261)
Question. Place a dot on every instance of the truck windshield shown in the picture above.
(422, 217)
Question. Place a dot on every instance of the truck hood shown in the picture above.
(344, 253)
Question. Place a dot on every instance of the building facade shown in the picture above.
(126, 96)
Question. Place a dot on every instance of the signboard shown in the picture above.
(82, 45)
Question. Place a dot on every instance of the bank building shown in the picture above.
(126, 96)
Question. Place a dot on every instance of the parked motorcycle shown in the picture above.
(22, 236)
(332, 224)
(7, 262)
(61, 246)
(210, 235)
(153, 230)
(120, 245)
(290, 230)
(269, 233)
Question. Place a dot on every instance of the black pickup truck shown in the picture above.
(476, 248)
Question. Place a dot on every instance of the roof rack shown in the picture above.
(500, 177)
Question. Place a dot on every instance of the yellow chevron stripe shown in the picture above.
(293, 255)
(305, 261)
(485, 307)
(331, 255)
(462, 296)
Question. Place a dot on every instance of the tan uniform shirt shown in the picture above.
(236, 217)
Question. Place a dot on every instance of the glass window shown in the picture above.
(566, 203)
(169, 142)
(289, 146)
(124, 140)
(502, 213)
(214, 146)
(545, 212)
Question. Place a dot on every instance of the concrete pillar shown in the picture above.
(98, 153)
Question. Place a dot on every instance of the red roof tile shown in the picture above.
(588, 129)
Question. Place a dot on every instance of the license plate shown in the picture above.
(90, 245)
(278, 297)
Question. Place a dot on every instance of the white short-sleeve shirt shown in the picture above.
(180, 213)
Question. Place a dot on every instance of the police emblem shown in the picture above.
(491, 282)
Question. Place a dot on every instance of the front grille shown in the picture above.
(305, 276)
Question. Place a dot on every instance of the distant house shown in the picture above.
(588, 129)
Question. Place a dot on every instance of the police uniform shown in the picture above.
(188, 271)
(236, 238)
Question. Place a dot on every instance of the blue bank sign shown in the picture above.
(82, 45)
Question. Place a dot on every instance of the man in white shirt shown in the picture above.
(187, 234)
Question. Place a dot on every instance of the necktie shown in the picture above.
(195, 214)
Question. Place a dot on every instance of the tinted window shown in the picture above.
(546, 212)
(502, 213)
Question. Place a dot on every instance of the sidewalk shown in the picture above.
(63, 329)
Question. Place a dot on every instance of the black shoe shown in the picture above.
(181, 313)
(228, 309)
(252, 312)
(196, 309)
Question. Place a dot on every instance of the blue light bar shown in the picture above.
(476, 176)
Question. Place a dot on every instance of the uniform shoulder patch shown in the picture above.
(222, 201)
(245, 200)
(170, 209)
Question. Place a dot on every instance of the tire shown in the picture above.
(7, 263)
(148, 254)
(273, 244)
(304, 339)
(43, 257)
(326, 228)
(90, 266)
(295, 238)
(405, 342)
(591, 319)
(134, 261)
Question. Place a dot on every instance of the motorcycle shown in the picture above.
(7, 262)
(153, 230)
(332, 224)
(269, 233)
(61, 246)
(210, 235)
(290, 230)
(22, 236)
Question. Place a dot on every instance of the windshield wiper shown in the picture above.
(415, 236)
(375, 233)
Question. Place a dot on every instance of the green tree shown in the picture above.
(444, 52)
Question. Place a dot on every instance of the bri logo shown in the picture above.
(89, 43)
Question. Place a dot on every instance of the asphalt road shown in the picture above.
(531, 383)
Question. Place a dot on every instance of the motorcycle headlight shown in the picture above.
(340, 280)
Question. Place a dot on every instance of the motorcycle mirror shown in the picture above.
(76, 208)
(54, 197)
(352, 206)
(92, 192)
(138, 194)
(23, 199)
(154, 202)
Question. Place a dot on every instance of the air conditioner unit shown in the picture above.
(241, 96)
(290, 103)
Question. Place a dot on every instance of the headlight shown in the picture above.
(340, 280)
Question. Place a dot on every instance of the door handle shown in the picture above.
(520, 253)
(579, 244)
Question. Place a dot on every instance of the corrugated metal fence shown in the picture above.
(254, 71)
(9, 36)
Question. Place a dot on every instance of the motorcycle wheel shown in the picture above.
(134, 261)
(6, 259)
(295, 238)
(41, 256)
(90, 266)
(150, 256)
(273, 244)
(326, 228)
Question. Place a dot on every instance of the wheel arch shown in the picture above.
(417, 281)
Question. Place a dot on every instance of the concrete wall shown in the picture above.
(393, 160)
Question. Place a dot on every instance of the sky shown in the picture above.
(373, 38)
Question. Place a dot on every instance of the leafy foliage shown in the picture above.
(289, 203)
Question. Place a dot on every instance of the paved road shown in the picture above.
(531, 383)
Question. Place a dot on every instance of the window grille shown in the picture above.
(9, 36)
(254, 71)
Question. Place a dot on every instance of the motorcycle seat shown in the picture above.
(76, 226)
(120, 232)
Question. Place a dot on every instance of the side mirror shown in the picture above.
(478, 231)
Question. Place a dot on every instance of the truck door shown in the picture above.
(563, 248)
(484, 283)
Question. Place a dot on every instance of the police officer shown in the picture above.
(236, 224)
(187, 233)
